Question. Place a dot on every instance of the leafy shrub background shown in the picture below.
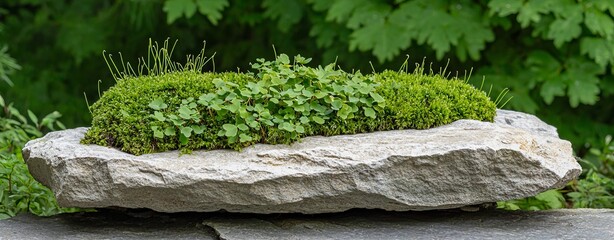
(19, 192)
(555, 55)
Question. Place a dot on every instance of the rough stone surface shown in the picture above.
(106, 225)
(355, 225)
(542, 225)
(525, 121)
(464, 163)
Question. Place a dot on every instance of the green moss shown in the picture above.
(419, 102)
(121, 118)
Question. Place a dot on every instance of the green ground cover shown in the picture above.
(280, 102)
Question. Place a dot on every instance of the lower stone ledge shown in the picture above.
(353, 224)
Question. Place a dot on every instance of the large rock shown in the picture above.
(464, 163)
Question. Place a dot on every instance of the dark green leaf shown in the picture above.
(176, 8)
(551, 89)
(565, 30)
(287, 12)
(505, 7)
(212, 9)
(183, 139)
(33, 117)
(583, 84)
(599, 23)
(598, 49)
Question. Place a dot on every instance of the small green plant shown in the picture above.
(19, 192)
(7, 65)
(177, 106)
(287, 97)
(601, 160)
(596, 188)
(593, 191)
(551, 199)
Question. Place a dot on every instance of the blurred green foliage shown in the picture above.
(551, 199)
(556, 56)
(19, 192)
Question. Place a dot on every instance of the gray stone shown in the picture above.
(356, 224)
(106, 225)
(464, 163)
(542, 225)
(525, 121)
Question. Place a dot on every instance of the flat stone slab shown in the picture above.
(356, 224)
(463, 163)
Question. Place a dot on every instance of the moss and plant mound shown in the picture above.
(280, 102)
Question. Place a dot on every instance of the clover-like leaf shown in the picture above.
(337, 104)
(286, 126)
(169, 131)
(233, 108)
(242, 127)
(157, 104)
(307, 93)
(230, 130)
(321, 94)
(369, 112)
(205, 99)
(198, 129)
(253, 124)
(244, 137)
(376, 97)
(157, 132)
(283, 58)
(304, 119)
(186, 131)
(317, 119)
(299, 129)
(268, 122)
(344, 111)
(159, 116)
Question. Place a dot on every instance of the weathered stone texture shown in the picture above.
(464, 163)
